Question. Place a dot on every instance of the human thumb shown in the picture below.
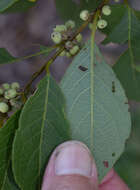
(71, 167)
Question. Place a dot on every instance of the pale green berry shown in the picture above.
(9, 94)
(106, 10)
(102, 23)
(117, 1)
(68, 45)
(60, 28)
(15, 85)
(1, 91)
(56, 37)
(79, 37)
(70, 24)
(68, 54)
(63, 53)
(15, 103)
(84, 15)
(6, 86)
(3, 107)
(74, 50)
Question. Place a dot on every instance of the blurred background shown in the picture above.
(22, 33)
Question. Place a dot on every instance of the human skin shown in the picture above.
(72, 167)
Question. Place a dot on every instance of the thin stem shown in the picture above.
(51, 60)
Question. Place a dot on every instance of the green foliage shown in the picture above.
(7, 6)
(71, 10)
(125, 67)
(113, 20)
(128, 166)
(110, 111)
(129, 77)
(5, 57)
(42, 126)
(89, 105)
(7, 133)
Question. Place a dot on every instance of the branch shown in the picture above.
(52, 59)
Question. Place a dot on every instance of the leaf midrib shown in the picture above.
(43, 124)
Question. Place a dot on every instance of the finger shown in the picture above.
(113, 182)
(71, 167)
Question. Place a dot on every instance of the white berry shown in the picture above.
(79, 37)
(15, 85)
(106, 10)
(68, 54)
(3, 107)
(6, 86)
(68, 45)
(63, 53)
(70, 24)
(56, 37)
(9, 94)
(74, 50)
(84, 15)
(60, 28)
(102, 23)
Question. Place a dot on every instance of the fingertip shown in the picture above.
(71, 160)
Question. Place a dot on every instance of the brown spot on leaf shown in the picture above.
(113, 154)
(106, 164)
(82, 68)
(113, 87)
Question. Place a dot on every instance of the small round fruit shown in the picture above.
(102, 23)
(106, 10)
(70, 24)
(56, 37)
(79, 37)
(3, 107)
(1, 91)
(68, 54)
(15, 85)
(60, 28)
(9, 94)
(68, 45)
(6, 86)
(84, 15)
(63, 53)
(74, 50)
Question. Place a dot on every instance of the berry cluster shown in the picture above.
(106, 10)
(63, 33)
(9, 97)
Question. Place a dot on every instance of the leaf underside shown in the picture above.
(111, 125)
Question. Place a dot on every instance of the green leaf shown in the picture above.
(129, 76)
(42, 127)
(5, 57)
(126, 67)
(8, 6)
(7, 133)
(70, 10)
(111, 119)
(117, 13)
(10, 182)
(119, 33)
